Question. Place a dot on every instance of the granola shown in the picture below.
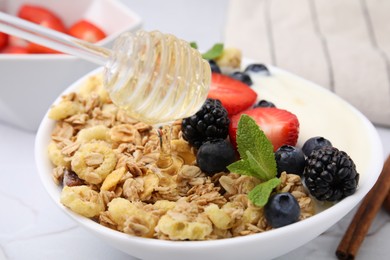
(106, 163)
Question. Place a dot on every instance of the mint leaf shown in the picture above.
(257, 159)
(261, 172)
(194, 45)
(242, 167)
(251, 138)
(259, 195)
(214, 52)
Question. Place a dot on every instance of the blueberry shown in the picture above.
(258, 68)
(282, 209)
(214, 67)
(264, 103)
(213, 156)
(290, 159)
(242, 76)
(314, 143)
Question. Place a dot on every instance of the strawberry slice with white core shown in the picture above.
(280, 126)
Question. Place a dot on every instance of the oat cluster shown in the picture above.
(105, 163)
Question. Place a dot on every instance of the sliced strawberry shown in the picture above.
(14, 50)
(16, 41)
(42, 16)
(86, 31)
(280, 126)
(3, 40)
(234, 95)
(39, 49)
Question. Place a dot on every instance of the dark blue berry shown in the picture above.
(258, 68)
(242, 76)
(214, 156)
(290, 159)
(264, 103)
(282, 209)
(314, 143)
(214, 67)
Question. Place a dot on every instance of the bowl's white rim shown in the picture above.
(340, 209)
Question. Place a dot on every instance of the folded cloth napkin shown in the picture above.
(341, 45)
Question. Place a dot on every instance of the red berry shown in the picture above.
(43, 17)
(280, 126)
(3, 40)
(87, 31)
(14, 50)
(234, 95)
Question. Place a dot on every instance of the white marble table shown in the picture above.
(31, 225)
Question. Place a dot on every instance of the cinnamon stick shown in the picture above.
(386, 203)
(364, 216)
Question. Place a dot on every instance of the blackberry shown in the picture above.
(330, 174)
(211, 122)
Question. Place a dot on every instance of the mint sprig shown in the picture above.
(194, 45)
(259, 195)
(212, 53)
(257, 159)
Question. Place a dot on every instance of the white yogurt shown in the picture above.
(320, 112)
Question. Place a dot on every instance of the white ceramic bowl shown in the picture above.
(320, 113)
(30, 82)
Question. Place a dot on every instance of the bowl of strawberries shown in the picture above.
(32, 75)
(268, 163)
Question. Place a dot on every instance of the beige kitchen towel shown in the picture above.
(343, 45)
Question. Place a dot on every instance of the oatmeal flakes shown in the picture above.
(58, 174)
(105, 220)
(78, 120)
(132, 188)
(56, 156)
(62, 131)
(124, 133)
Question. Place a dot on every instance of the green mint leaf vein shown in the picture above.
(259, 195)
(242, 167)
(214, 52)
(262, 172)
(251, 138)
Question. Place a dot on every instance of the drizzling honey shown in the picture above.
(157, 78)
